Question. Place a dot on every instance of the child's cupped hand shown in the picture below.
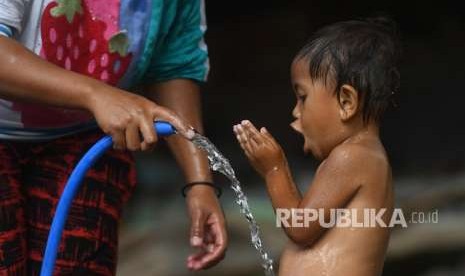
(262, 150)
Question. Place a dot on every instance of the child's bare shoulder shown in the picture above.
(361, 160)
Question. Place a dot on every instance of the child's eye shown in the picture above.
(302, 97)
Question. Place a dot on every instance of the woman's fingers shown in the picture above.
(149, 135)
(119, 140)
(132, 137)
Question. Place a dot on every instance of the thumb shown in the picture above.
(181, 126)
(197, 229)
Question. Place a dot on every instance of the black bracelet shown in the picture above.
(186, 187)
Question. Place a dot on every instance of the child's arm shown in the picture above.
(268, 159)
(334, 185)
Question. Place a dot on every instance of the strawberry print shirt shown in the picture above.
(120, 42)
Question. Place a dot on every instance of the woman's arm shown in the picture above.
(26, 77)
(208, 230)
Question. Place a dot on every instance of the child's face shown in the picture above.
(316, 112)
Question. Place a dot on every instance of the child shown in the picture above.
(343, 79)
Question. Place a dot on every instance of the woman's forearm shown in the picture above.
(26, 77)
(183, 97)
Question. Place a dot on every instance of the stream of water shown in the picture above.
(220, 164)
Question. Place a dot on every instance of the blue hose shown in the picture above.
(75, 179)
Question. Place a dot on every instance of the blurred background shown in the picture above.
(251, 45)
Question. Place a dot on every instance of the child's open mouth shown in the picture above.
(296, 126)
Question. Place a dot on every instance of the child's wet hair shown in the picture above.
(360, 53)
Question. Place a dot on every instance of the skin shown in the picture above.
(26, 77)
(128, 118)
(208, 230)
(354, 173)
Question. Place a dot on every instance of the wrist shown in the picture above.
(200, 188)
(94, 93)
(275, 171)
(89, 95)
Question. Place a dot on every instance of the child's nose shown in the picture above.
(296, 112)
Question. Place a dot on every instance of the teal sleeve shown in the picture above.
(182, 53)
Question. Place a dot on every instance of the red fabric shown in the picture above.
(32, 178)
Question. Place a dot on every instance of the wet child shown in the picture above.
(343, 79)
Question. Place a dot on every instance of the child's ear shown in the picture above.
(348, 102)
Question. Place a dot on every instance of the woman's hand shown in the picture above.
(262, 150)
(128, 118)
(208, 228)
(26, 77)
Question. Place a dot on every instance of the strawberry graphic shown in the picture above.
(74, 39)
(82, 36)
